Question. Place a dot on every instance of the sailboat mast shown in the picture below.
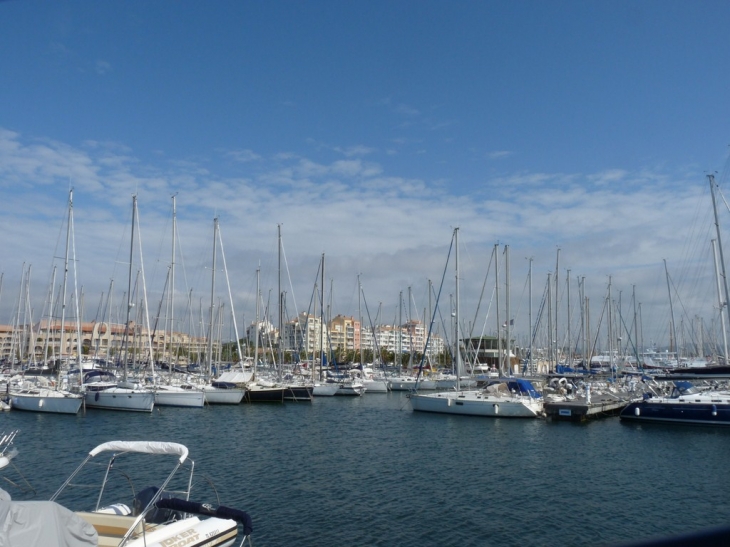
(359, 316)
(130, 299)
(256, 327)
(65, 279)
(457, 353)
(671, 311)
(719, 297)
(508, 330)
(172, 285)
(570, 343)
(711, 178)
(212, 299)
(281, 310)
(499, 325)
(530, 318)
(557, 296)
(321, 321)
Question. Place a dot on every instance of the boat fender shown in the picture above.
(637, 411)
(496, 409)
(96, 396)
(714, 410)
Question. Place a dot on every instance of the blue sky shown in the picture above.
(368, 130)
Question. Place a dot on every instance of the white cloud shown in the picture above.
(394, 230)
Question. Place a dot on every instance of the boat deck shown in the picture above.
(578, 410)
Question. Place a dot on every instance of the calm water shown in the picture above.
(369, 471)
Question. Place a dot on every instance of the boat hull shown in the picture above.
(259, 394)
(325, 390)
(709, 413)
(180, 398)
(121, 399)
(216, 396)
(475, 403)
(376, 386)
(298, 393)
(54, 404)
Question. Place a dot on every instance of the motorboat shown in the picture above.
(163, 516)
(509, 398)
(686, 404)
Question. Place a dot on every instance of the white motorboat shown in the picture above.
(155, 518)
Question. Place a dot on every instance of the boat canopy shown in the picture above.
(144, 447)
(523, 387)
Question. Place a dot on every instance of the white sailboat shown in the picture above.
(38, 398)
(101, 387)
(515, 398)
(166, 392)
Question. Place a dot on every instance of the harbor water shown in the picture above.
(368, 471)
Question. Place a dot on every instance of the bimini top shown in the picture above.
(143, 447)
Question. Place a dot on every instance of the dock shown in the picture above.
(578, 410)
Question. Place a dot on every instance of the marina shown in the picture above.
(296, 470)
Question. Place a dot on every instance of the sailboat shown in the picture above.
(102, 390)
(166, 392)
(37, 398)
(514, 398)
(220, 391)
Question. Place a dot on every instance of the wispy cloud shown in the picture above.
(366, 219)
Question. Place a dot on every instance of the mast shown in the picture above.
(507, 299)
(530, 317)
(557, 296)
(321, 320)
(719, 298)
(65, 280)
(130, 298)
(457, 353)
(212, 299)
(570, 344)
(671, 311)
(256, 327)
(711, 179)
(359, 315)
(172, 284)
(499, 325)
(281, 309)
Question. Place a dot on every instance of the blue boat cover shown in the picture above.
(523, 387)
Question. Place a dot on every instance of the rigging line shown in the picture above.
(484, 285)
(522, 297)
(438, 296)
(288, 274)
